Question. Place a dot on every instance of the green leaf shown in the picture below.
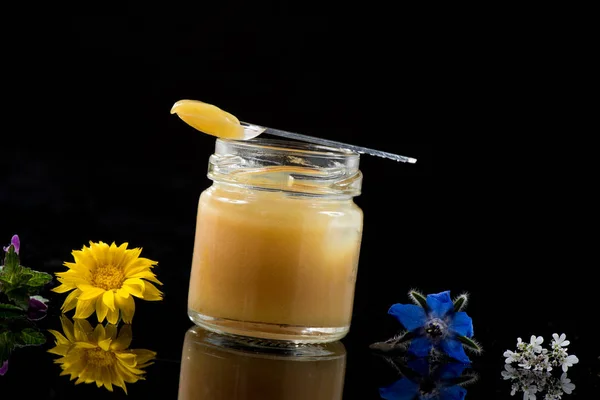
(398, 342)
(37, 279)
(30, 337)
(4, 306)
(20, 297)
(11, 261)
(418, 298)
(9, 311)
(460, 303)
(7, 278)
(470, 344)
(6, 345)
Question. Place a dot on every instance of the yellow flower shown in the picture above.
(104, 278)
(99, 355)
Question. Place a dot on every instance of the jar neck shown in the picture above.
(296, 168)
(258, 191)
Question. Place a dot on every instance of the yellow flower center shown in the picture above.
(108, 277)
(100, 358)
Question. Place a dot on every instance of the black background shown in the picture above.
(90, 152)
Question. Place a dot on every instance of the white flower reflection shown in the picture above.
(534, 383)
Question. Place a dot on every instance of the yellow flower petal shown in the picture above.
(127, 358)
(152, 293)
(101, 308)
(64, 288)
(131, 256)
(140, 267)
(135, 287)
(68, 328)
(83, 330)
(112, 316)
(71, 301)
(124, 340)
(99, 333)
(84, 259)
(127, 307)
(60, 339)
(61, 349)
(135, 282)
(89, 292)
(149, 275)
(85, 345)
(117, 379)
(123, 293)
(111, 331)
(109, 299)
(104, 344)
(143, 356)
(85, 308)
(106, 379)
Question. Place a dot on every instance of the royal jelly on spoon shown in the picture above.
(212, 120)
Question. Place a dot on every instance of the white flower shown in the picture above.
(536, 343)
(569, 362)
(526, 364)
(529, 393)
(511, 356)
(510, 372)
(566, 385)
(514, 389)
(560, 341)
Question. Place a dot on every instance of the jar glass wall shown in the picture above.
(277, 241)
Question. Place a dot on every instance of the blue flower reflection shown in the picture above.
(438, 326)
(429, 382)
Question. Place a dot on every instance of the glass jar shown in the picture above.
(277, 241)
(219, 367)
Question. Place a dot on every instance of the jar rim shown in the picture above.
(296, 168)
(289, 146)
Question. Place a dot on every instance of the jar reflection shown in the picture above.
(219, 367)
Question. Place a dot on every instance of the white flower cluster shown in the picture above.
(532, 383)
(531, 356)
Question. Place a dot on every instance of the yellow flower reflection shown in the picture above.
(99, 355)
(104, 278)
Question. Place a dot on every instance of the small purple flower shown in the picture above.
(16, 244)
(37, 308)
(4, 368)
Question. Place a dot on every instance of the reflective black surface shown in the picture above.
(102, 159)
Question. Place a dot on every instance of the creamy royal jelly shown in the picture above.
(277, 241)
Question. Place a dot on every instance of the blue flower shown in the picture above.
(437, 383)
(437, 326)
(4, 368)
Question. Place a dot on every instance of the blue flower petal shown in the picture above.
(409, 315)
(462, 324)
(453, 393)
(420, 346)
(455, 350)
(440, 304)
(451, 371)
(403, 389)
(420, 366)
